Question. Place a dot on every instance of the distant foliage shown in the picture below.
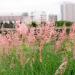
(33, 24)
(62, 23)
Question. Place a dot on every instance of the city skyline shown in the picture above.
(16, 7)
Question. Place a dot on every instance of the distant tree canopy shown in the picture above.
(61, 23)
(33, 24)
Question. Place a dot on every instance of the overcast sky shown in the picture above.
(19, 6)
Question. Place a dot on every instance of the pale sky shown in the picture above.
(19, 6)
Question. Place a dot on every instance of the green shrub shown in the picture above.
(33, 24)
(61, 23)
(67, 23)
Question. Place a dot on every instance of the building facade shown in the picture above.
(52, 18)
(68, 12)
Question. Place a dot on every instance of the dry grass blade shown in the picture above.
(62, 68)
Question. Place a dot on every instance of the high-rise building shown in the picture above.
(32, 16)
(25, 18)
(68, 11)
(43, 16)
(52, 18)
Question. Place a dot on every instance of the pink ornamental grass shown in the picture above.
(31, 37)
(62, 35)
(21, 28)
(72, 33)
